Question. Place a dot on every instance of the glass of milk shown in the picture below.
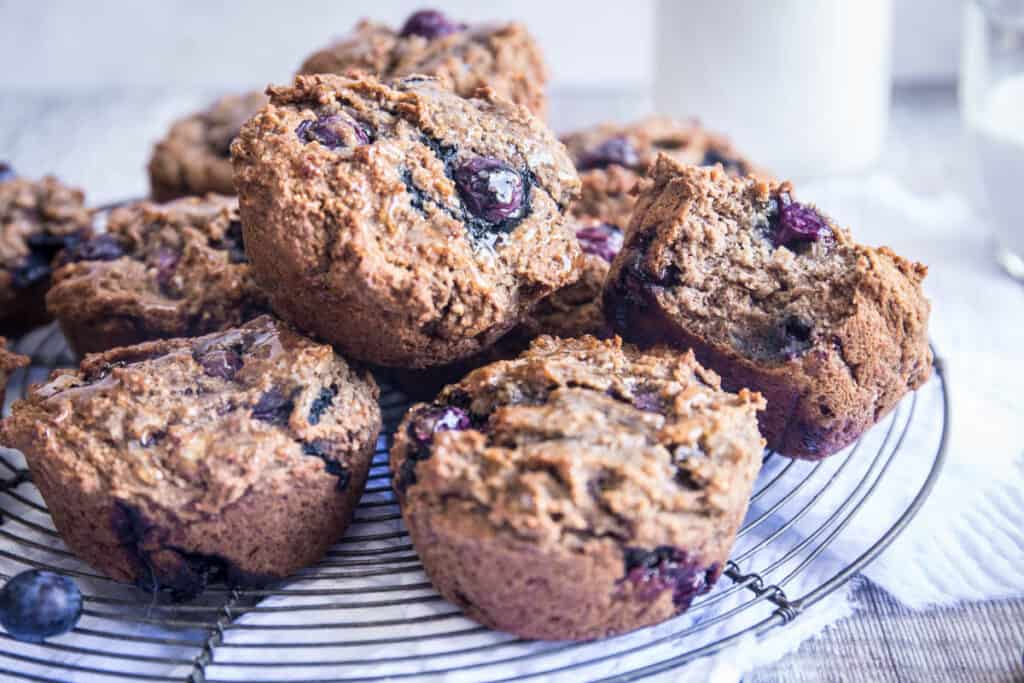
(992, 106)
(802, 86)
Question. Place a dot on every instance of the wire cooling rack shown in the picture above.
(368, 613)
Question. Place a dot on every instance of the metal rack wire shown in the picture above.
(367, 612)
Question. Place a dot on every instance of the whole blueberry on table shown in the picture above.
(490, 189)
(429, 24)
(36, 605)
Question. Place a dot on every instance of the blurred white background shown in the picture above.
(62, 44)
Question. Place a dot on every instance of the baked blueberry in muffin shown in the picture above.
(501, 56)
(407, 225)
(581, 490)
(194, 158)
(612, 157)
(774, 296)
(160, 271)
(38, 218)
(238, 456)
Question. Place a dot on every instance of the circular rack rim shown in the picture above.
(218, 619)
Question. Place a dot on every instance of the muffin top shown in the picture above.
(584, 439)
(612, 157)
(194, 157)
(38, 218)
(501, 56)
(178, 269)
(405, 200)
(191, 424)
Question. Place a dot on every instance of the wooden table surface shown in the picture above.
(101, 140)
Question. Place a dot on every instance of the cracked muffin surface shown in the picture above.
(38, 218)
(194, 158)
(160, 271)
(774, 296)
(581, 490)
(501, 56)
(612, 157)
(572, 311)
(238, 456)
(404, 224)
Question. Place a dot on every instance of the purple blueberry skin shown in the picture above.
(166, 262)
(666, 568)
(38, 264)
(797, 223)
(6, 172)
(617, 151)
(273, 407)
(439, 419)
(604, 240)
(428, 421)
(491, 189)
(36, 605)
(325, 130)
(222, 363)
(103, 247)
(429, 24)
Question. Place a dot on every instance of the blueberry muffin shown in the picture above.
(581, 490)
(572, 311)
(195, 156)
(160, 271)
(38, 218)
(774, 296)
(612, 157)
(9, 362)
(501, 56)
(575, 310)
(406, 225)
(238, 456)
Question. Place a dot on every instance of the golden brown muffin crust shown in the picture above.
(161, 271)
(240, 454)
(580, 490)
(833, 333)
(194, 158)
(371, 241)
(501, 56)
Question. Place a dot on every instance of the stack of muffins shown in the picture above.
(401, 204)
